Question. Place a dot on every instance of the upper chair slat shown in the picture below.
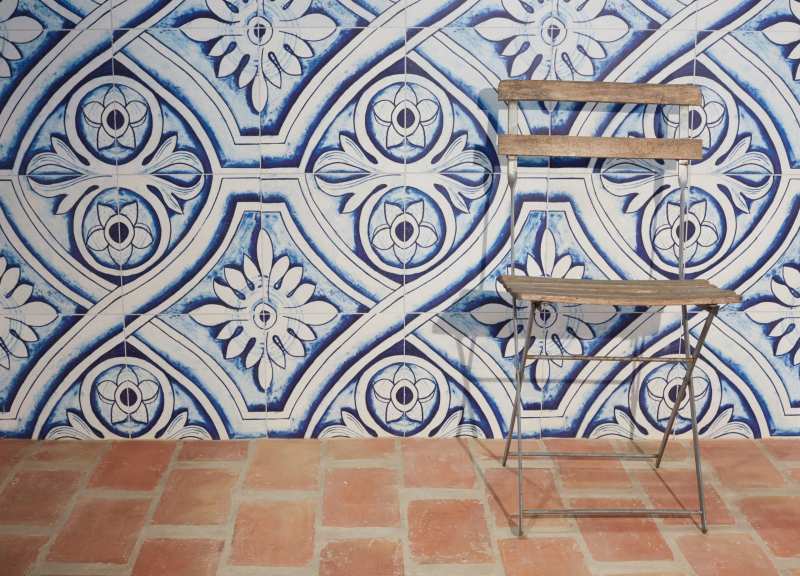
(600, 147)
(610, 92)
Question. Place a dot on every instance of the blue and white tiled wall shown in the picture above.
(242, 218)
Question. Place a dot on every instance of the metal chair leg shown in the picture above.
(511, 424)
(534, 306)
(698, 468)
(517, 385)
(712, 312)
(687, 386)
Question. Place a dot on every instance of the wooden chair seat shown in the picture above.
(618, 292)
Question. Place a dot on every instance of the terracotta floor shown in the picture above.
(376, 507)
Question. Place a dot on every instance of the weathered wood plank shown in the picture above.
(612, 290)
(587, 281)
(631, 300)
(618, 292)
(600, 147)
(610, 92)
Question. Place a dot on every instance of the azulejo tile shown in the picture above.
(249, 218)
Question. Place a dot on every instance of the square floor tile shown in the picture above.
(100, 530)
(37, 497)
(725, 555)
(277, 533)
(63, 454)
(626, 539)
(437, 463)
(135, 465)
(360, 448)
(178, 557)
(551, 556)
(213, 451)
(539, 491)
(448, 532)
(668, 488)
(777, 521)
(740, 464)
(194, 496)
(361, 497)
(284, 465)
(368, 556)
(18, 553)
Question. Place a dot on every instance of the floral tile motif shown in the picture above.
(250, 218)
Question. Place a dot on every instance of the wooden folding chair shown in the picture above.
(650, 293)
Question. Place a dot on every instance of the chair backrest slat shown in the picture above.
(607, 92)
(601, 147)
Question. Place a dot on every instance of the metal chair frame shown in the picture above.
(689, 358)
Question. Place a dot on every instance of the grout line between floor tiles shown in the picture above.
(315, 559)
(155, 496)
(491, 523)
(402, 502)
(236, 499)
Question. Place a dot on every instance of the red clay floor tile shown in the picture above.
(18, 553)
(677, 452)
(367, 557)
(361, 497)
(741, 464)
(539, 491)
(777, 521)
(360, 448)
(651, 573)
(213, 451)
(133, 465)
(437, 463)
(581, 473)
(279, 533)
(178, 557)
(196, 496)
(786, 449)
(490, 451)
(68, 453)
(280, 464)
(725, 555)
(100, 530)
(11, 452)
(624, 539)
(448, 532)
(37, 496)
(677, 488)
(551, 556)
